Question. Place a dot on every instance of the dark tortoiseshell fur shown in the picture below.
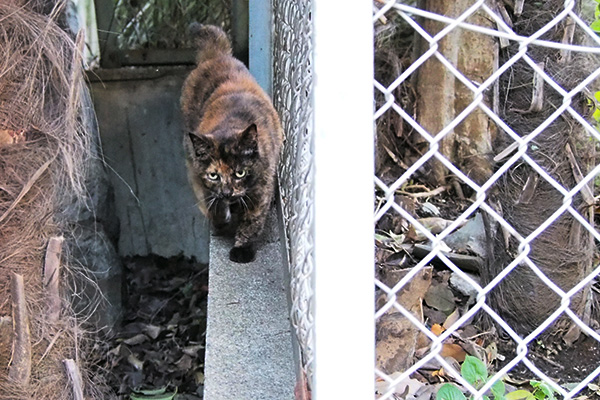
(232, 142)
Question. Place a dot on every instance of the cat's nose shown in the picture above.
(226, 192)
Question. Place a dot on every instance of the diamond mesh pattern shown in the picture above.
(292, 97)
(521, 152)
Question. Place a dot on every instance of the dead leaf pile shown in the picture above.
(161, 343)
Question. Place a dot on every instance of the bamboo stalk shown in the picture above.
(20, 366)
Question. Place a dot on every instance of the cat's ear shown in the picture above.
(249, 141)
(201, 145)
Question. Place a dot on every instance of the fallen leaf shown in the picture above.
(453, 350)
(184, 363)
(434, 225)
(135, 362)
(452, 318)
(406, 387)
(441, 298)
(491, 352)
(437, 329)
(152, 330)
(193, 350)
(199, 378)
(137, 339)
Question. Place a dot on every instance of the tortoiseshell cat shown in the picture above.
(232, 141)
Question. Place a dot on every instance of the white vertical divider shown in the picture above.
(344, 195)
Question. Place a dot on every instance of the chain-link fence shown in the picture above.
(494, 104)
(486, 118)
(292, 96)
(160, 23)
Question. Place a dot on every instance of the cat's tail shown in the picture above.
(210, 41)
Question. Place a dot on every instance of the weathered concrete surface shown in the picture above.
(141, 133)
(248, 340)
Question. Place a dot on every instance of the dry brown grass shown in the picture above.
(44, 150)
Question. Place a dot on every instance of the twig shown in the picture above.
(458, 189)
(586, 192)
(549, 361)
(51, 277)
(395, 158)
(20, 367)
(27, 187)
(537, 97)
(429, 193)
(518, 10)
(50, 346)
(75, 377)
(529, 188)
(501, 9)
(382, 19)
(565, 54)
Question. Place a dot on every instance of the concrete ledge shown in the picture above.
(248, 341)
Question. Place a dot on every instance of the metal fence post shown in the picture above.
(260, 43)
(343, 149)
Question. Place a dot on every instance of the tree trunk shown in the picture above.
(442, 96)
(563, 251)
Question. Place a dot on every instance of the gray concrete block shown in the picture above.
(248, 341)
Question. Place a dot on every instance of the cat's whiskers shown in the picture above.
(210, 201)
(249, 199)
(244, 202)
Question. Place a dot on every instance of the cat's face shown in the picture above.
(226, 167)
(226, 180)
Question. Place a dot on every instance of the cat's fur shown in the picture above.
(232, 141)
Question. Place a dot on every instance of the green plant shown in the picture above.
(474, 371)
(541, 391)
(596, 105)
(596, 24)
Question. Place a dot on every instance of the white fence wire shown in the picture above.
(292, 96)
(514, 149)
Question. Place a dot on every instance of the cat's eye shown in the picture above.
(213, 176)
(240, 173)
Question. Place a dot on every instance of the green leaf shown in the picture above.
(449, 392)
(595, 25)
(546, 390)
(474, 370)
(597, 96)
(498, 390)
(596, 115)
(519, 395)
(153, 394)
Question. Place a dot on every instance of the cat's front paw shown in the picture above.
(242, 254)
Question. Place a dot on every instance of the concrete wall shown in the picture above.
(140, 128)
